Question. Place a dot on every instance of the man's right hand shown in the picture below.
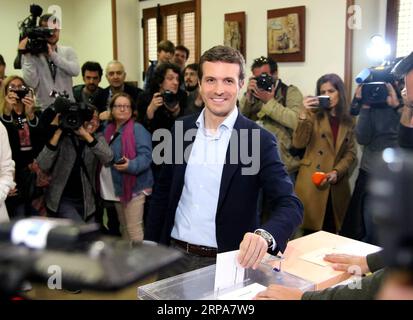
(251, 89)
(346, 262)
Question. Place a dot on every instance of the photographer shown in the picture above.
(51, 70)
(22, 124)
(275, 106)
(327, 134)
(376, 129)
(164, 102)
(72, 157)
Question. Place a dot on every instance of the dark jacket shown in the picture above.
(406, 137)
(77, 93)
(237, 204)
(163, 118)
(101, 100)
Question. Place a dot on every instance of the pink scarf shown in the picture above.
(129, 151)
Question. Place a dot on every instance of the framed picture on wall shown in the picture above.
(286, 34)
(234, 31)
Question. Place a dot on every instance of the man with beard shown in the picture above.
(194, 101)
(92, 75)
(52, 70)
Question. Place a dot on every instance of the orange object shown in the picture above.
(318, 177)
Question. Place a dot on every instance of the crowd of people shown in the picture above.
(201, 201)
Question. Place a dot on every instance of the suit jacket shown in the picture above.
(237, 203)
(100, 101)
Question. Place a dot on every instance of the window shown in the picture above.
(399, 25)
(405, 28)
(175, 22)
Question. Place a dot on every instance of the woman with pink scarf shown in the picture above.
(128, 180)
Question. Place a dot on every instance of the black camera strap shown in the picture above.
(52, 68)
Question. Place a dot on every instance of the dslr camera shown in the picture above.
(37, 36)
(21, 92)
(265, 81)
(72, 115)
(169, 98)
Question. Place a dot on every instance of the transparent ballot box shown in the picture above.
(199, 284)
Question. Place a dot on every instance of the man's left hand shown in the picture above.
(252, 250)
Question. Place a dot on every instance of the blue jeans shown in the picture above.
(72, 209)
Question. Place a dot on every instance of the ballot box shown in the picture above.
(199, 285)
(303, 257)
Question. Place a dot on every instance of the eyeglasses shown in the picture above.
(13, 87)
(122, 106)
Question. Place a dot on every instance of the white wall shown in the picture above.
(373, 13)
(128, 27)
(87, 27)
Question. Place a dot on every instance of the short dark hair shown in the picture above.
(92, 66)
(192, 66)
(167, 46)
(223, 54)
(2, 62)
(159, 75)
(261, 61)
(180, 47)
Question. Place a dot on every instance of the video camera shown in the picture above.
(265, 81)
(72, 114)
(30, 247)
(37, 36)
(373, 80)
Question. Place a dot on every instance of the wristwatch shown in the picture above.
(267, 237)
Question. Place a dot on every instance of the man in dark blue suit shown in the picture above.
(206, 202)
